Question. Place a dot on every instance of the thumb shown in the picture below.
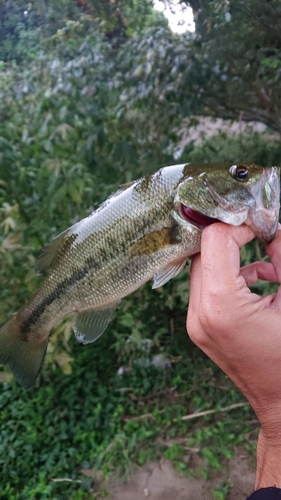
(220, 255)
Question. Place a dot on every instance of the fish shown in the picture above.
(147, 229)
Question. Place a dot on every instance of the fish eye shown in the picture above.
(239, 172)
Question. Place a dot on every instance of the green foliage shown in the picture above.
(92, 94)
(73, 424)
(24, 27)
(221, 492)
(229, 68)
(17, 28)
(61, 147)
(251, 147)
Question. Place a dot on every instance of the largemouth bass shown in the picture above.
(147, 229)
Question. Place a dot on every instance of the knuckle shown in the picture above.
(195, 332)
(216, 319)
(192, 327)
(210, 312)
(219, 321)
(207, 319)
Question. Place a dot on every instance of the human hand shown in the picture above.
(241, 331)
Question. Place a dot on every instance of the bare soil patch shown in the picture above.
(160, 481)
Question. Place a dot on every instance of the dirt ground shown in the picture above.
(160, 481)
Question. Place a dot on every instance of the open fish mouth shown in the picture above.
(196, 218)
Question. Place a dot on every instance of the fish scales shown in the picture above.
(94, 250)
(147, 229)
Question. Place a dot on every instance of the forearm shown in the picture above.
(240, 332)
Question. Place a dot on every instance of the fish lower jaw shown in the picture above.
(264, 223)
(195, 218)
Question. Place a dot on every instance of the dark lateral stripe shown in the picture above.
(56, 294)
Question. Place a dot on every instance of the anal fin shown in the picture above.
(168, 272)
(90, 325)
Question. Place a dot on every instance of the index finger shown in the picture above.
(273, 250)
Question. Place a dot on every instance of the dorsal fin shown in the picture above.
(125, 186)
(48, 255)
(51, 253)
(111, 197)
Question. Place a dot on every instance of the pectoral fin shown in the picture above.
(167, 273)
(90, 325)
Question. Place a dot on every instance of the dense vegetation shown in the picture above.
(94, 93)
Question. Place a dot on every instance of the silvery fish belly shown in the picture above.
(147, 229)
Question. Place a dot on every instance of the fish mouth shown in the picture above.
(196, 218)
(263, 220)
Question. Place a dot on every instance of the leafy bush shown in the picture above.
(83, 419)
(83, 108)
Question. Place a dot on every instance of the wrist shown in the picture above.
(269, 457)
(269, 416)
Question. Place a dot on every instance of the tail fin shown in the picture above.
(23, 358)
